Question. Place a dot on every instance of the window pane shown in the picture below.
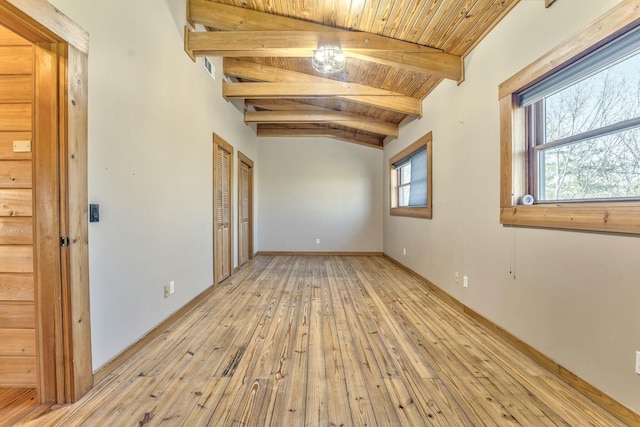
(403, 195)
(603, 167)
(404, 177)
(605, 98)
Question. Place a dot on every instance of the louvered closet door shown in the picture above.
(222, 222)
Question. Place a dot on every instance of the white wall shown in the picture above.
(574, 296)
(318, 188)
(152, 112)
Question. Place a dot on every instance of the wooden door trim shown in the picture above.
(220, 143)
(41, 22)
(60, 160)
(46, 220)
(247, 161)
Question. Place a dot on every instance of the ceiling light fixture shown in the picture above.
(328, 59)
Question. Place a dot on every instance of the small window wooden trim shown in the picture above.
(614, 217)
(412, 211)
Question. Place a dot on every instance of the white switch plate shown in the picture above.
(404, 251)
(638, 362)
(172, 287)
(21, 146)
(465, 281)
(317, 241)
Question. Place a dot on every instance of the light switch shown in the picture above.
(21, 146)
(94, 213)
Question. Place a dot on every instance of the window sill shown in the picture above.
(414, 212)
(603, 217)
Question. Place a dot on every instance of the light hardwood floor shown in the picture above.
(328, 341)
(20, 404)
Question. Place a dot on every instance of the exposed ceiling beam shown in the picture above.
(386, 100)
(309, 130)
(335, 117)
(330, 88)
(303, 41)
(362, 45)
(361, 123)
(364, 95)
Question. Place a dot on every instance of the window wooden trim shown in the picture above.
(412, 211)
(614, 217)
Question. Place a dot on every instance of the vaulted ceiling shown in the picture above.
(397, 52)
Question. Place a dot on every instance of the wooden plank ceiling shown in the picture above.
(397, 52)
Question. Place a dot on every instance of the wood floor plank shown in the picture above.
(317, 394)
(325, 341)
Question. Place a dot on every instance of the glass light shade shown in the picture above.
(328, 59)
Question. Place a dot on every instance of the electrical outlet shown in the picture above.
(404, 251)
(166, 291)
(172, 287)
(638, 362)
(457, 277)
(465, 281)
(317, 241)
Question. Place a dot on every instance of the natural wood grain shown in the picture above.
(16, 60)
(245, 208)
(46, 205)
(16, 88)
(302, 44)
(383, 42)
(16, 202)
(16, 259)
(20, 404)
(378, 98)
(57, 56)
(16, 287)
(16, 231)
(75, 225)
(327, 340)
(15, 174)
(9, 38)
(17, 315)
(223, 162)
(15, 117)
(302, 130)
(302, 116)
(6, 145)
(40, 21)
(17, 324)
(17, 371)
(17, 342)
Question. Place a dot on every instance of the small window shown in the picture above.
(410, 176)
(570, 132)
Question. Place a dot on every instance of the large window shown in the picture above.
(410, 177)
(583, 127)
(570, 136)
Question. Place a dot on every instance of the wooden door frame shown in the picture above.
(63, 334)
(219, 143)
(247, 161)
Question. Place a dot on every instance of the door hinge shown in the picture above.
(64, 241)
